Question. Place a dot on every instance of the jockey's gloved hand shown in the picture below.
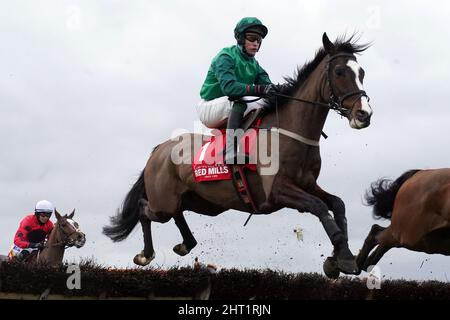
(270, 90)
(262, 90)
(280, 87)
(37, 245)
(33, 245)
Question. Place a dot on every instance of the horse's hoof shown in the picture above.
(141, 260)
(347, 265)
(181, 249)
(330, 268)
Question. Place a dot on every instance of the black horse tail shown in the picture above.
(382, 193)
(124, 221)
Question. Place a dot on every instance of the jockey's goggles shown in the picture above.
(45, 214)
(252, 37)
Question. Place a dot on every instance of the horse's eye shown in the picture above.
(340, 71)
(76, 225)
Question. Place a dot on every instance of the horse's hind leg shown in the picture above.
(189, 241)
(370, 243)
(148, 254)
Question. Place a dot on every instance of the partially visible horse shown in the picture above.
(65, 234)
(418, 205)
(331, 81)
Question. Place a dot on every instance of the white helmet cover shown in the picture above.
(44, 206)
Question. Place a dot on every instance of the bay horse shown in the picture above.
(66, 233)
(332, 80)
(418, 205)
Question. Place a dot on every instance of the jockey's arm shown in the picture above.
(231, 87)
(20, 237)
(262, 77)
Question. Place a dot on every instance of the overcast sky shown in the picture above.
(88, 88)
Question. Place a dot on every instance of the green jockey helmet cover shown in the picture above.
(249, 24)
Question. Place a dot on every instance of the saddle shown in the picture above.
(208, 164)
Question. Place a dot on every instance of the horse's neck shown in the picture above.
(302, 118)
(53, 253)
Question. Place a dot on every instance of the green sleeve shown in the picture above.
(263, 77)
(229, 84)
(224, 72)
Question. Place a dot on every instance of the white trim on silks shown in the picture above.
(296, 136)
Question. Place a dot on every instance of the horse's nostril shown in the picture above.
(362, 115)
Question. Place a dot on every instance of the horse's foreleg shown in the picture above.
(291, 196)
(376, 256)
(370, 243)
(189, 241)
(385, 240)
(335, 205)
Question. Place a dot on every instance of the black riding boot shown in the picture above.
(234, 123)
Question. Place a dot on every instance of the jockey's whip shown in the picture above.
(246, 221)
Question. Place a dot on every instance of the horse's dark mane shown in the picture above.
(342, 44)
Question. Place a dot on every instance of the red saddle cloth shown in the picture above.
(208, 164)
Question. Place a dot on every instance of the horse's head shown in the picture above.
(69, 231)
(345, 82)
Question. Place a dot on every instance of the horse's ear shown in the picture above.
(57, 215)
(72, 214)
(327, 44)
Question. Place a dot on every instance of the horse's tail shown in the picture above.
(124, 221)
(382, 193)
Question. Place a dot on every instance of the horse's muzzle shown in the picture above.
(360, 120)
(80, 240)
(363, 116)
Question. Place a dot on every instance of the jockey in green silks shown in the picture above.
(234, 73)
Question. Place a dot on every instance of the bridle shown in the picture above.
(334, 103)
(337, 105)
(67, 242)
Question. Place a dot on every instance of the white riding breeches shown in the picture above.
(214, 113)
